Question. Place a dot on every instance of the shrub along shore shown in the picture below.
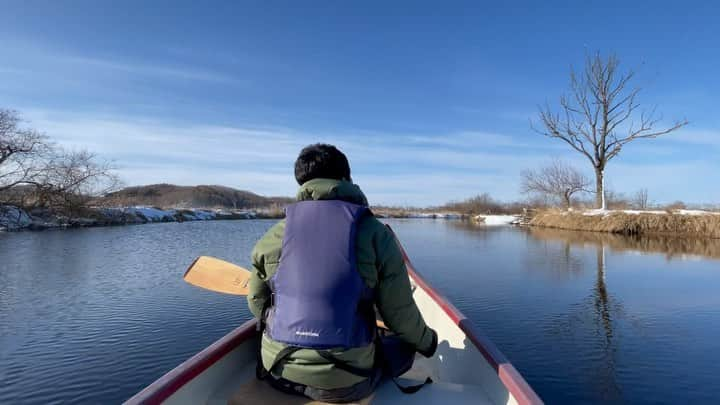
(677, 223)
(16, 219)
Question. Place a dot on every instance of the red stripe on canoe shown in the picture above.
(168, 384)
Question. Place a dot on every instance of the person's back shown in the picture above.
(326, 266)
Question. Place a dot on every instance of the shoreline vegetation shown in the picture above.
(16, 219)
(171, 203)
(21, 209)
(681, 222)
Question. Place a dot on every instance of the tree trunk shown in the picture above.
(566, 197)
(600, 189)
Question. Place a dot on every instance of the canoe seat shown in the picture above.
(259, 392)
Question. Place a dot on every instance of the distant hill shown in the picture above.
(170, 195)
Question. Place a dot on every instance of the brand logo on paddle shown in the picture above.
(241, 281)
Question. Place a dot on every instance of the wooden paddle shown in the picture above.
(218, 275)
(224, 277)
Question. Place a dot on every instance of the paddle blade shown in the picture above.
(218, 275)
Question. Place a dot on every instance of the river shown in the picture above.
(94, 315)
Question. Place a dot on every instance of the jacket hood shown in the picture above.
(331, 189)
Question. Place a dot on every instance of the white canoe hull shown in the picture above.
(467, 367)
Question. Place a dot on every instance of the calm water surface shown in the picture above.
(94, 315)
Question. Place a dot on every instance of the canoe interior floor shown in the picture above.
(243, 388)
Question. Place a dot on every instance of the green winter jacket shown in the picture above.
(381, 266)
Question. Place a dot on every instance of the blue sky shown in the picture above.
(430, 101)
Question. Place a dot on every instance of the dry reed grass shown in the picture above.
(671, 247)
(706, 226)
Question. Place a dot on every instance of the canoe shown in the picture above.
(467, 367)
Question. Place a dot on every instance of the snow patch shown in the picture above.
(13, 218)
(497, 219)
(695, 212)
(199, 215)
(434, 215)
(152, 214)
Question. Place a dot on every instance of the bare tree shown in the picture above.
(32, 168)
(556, 180)
(21, 151)
(600, 116)
(70, 179)
(640, 199)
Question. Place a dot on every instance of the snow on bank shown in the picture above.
(434, 215)
(199, 215)
(652, 212)
(695, 212)
(13, 218)
(152, 214)
(497, 219)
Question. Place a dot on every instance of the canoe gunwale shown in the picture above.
(171, 382)
(508, 374)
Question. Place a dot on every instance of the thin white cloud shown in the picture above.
(702, 137)
(402, 169)
(692, 181)
(179, 72)
(469, 139)
(33, 58)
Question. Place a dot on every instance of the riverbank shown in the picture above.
(16, 219)
(628, 222)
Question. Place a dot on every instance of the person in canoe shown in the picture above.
(318, 278)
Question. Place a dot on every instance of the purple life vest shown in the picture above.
(319, 299)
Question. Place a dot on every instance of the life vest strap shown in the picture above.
(289, 350)
(360, 372)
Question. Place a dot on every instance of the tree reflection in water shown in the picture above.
(603, 309)
(593, 325)
(596, 321)
(591, 321)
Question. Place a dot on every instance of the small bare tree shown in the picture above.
(479, 204)
(21, 151)
(640, 199)
(600, 116)
(556, 180)
(70, 179)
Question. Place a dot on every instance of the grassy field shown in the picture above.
(679, 223)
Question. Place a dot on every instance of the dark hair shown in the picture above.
(321, 161)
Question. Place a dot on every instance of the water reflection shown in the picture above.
(599, 318)
(591, 321)
(583, 320)
(476, 229)
(671, 247)
(598, 313)
(556, 258)
(607, 378)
